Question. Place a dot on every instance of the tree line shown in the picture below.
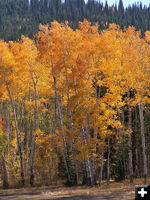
(19, 17)
(74, 105)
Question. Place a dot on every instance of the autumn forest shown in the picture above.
(75, 106)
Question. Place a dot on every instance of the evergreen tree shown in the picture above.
(19, 17)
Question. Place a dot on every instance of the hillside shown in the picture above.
(19, 17)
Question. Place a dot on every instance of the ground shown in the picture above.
(116, 191)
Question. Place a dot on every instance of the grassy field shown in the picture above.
(115, 191)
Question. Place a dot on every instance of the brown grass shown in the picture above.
(115, 191)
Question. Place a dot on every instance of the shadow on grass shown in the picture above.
(20, 194)
(112, 195)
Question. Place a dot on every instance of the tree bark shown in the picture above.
(35, 126)
(141, 114)
(4, 173)
(122, 119)
(87, 161)
(57, 104)
(17, 134)
(130, 142)
(108, 162)
(102, 165)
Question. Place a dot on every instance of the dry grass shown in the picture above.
(115, 191)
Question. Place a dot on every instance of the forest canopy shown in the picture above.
(74, 104)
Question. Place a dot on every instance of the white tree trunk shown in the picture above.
(141, 110)
(130, 142)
